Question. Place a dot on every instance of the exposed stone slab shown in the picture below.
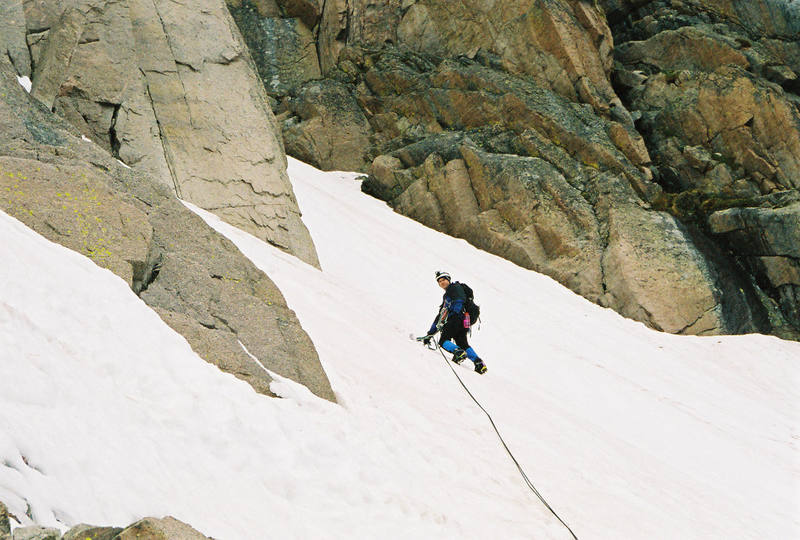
(12, 36)
(654, 274)
(81, 211)
(549, 220)
(332, 35)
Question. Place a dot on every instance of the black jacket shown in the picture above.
(454, 299)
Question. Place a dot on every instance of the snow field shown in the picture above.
(628, 433)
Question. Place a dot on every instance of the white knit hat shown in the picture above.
(443, 275)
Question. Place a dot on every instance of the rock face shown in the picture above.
(168, 88)
(768, 241)
(563, 45)
(283, 48)
(589, 141)
(12, 36)
(716, 85)
(74, 193)
(309, 136)
(558, 42)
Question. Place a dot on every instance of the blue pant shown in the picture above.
(454, 331)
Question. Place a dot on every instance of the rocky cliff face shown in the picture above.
(716, 85)
(76, 194)
(168, 88)
(643, 153)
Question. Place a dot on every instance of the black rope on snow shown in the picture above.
(519, 467)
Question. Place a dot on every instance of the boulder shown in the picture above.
(74, 193)
(383, 170)
(763, 231)
(167, 528)
(90, 532)
(171, 89)
(35, 532)
(308, 11)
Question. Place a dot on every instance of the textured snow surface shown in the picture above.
(106, 415)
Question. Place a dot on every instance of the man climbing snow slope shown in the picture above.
(454, 322)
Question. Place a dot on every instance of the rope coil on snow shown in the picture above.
(508, 450)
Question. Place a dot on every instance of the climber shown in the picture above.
(453, 320)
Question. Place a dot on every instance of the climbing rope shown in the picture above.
(514, 459)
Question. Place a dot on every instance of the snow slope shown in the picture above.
(106, 415)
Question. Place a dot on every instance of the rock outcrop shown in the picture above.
(76, 194)
(166, 528)
(583, 140)
(36, 533)
(767, 240)
(168, 88)
(90, 532)
(327, 127)
(716, 86)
